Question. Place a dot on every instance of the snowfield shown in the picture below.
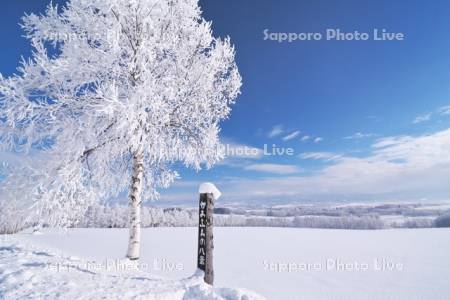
(30, 273)
(277, 263)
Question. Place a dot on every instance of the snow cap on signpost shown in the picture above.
(209, 188)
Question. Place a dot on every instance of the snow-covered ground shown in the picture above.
(278, 263)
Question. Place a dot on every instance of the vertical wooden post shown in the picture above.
(205, 236)
(208, 195)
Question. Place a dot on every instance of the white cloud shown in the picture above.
(400, 167)
(291, 136)
(422, 118)
(305, 138)
(276, 131)
(274, 168)
(445, 110)
(318, 140)
(326, 156)
(359, 135)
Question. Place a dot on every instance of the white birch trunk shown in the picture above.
(135, 207)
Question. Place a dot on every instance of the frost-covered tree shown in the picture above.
(116, 93)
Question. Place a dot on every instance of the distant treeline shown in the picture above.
(307, 216)
(338, 217)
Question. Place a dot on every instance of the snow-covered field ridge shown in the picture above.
(277, 263)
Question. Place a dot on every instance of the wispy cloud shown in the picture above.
(275, 131)
(291, 136)
(359, 135)
(422, 118)
(326, 156)
(305, 138)
(274, 168)
(318, 140)
(398, 167)
(444, 110)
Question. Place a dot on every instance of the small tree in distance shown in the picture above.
(115, 94)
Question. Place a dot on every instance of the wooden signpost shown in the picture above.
(208, 194)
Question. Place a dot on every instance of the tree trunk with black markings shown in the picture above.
(134, 203)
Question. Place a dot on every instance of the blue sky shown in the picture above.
(367, 120)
